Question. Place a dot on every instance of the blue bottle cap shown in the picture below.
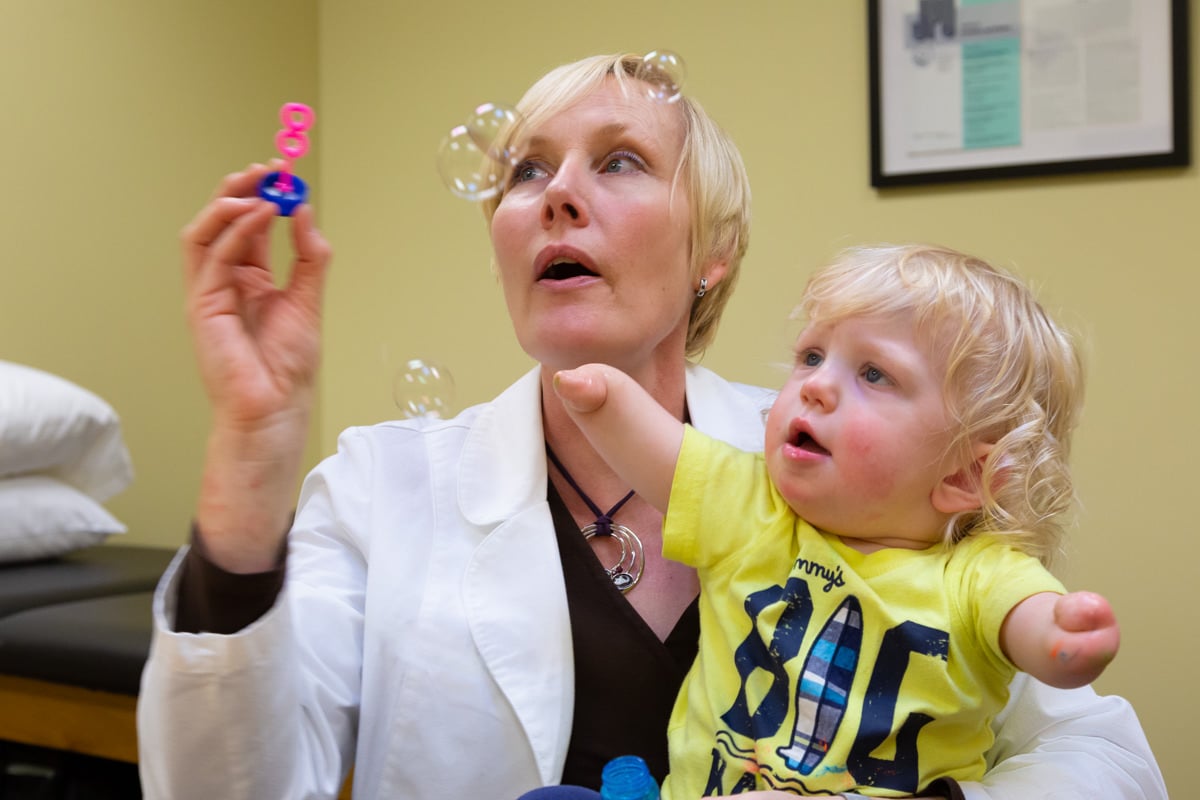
(627, 778)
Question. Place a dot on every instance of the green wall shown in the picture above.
(117, 120)
(120, 117)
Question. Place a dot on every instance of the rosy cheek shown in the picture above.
(860, 441)
(866, 462)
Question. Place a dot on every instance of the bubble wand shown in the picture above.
(284, 188)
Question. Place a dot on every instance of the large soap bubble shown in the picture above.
(474, 157)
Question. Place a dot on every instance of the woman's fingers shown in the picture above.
(235, 195)
(208, 224)
(312, 259)
(236, 244)
(235, 309)
(245, 182)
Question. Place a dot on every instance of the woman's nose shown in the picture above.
(564, 201)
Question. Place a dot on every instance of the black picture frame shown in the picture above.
(963, 91)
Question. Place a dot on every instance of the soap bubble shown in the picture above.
(423, 389)
(474, 157)
(464, 168)
(665, 72)
(490, 127)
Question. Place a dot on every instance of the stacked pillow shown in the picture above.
(61, 455)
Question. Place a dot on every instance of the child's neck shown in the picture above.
(873, 545)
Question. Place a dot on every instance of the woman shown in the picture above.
(444, 626)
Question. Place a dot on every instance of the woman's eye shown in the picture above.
(622, 162)
(528, 171)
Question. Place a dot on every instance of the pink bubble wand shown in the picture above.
(284, 188)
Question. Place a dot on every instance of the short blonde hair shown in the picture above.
(711, 168)
(1014, 378)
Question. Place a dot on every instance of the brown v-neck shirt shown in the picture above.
(625, 678)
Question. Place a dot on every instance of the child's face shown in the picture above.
(856, 441)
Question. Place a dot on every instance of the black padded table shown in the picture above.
(99, 643)
(74, 635)
(93, 572)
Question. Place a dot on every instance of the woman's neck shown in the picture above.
(666, 587)
(577, 453)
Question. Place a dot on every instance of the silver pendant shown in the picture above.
(628, 570)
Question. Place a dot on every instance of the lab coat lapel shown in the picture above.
(514, 595)
(732, 412)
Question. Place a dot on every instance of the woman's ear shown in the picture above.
(962, 490)
(714, 273)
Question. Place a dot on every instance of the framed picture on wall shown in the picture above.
(975, 89)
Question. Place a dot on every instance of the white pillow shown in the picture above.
(42, 517)
(49, 424)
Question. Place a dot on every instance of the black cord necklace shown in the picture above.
(628, 570)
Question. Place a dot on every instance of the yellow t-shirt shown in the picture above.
(822, 669)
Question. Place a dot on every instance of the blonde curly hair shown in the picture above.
(1013, 377)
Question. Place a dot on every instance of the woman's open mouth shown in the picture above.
(561, 270)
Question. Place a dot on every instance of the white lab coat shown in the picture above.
(424, 617)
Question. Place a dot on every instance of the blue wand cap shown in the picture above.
(287, 199)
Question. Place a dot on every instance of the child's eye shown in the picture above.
(875, 375)
(811, 358)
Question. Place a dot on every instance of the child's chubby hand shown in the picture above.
(583, 389)
(1089, 636)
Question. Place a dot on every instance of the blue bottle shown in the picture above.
(627, 778)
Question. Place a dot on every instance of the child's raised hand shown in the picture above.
(583, 389)
(1087, 636)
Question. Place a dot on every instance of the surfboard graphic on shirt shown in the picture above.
(824, 686)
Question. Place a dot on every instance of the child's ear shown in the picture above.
(963, 490)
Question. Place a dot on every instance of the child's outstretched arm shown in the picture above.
(1065, 640)
(638, 438)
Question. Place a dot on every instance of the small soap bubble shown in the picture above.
(490, 127)
(423, 389)
(664, 72)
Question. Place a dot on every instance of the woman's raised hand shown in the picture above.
(257, 344)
